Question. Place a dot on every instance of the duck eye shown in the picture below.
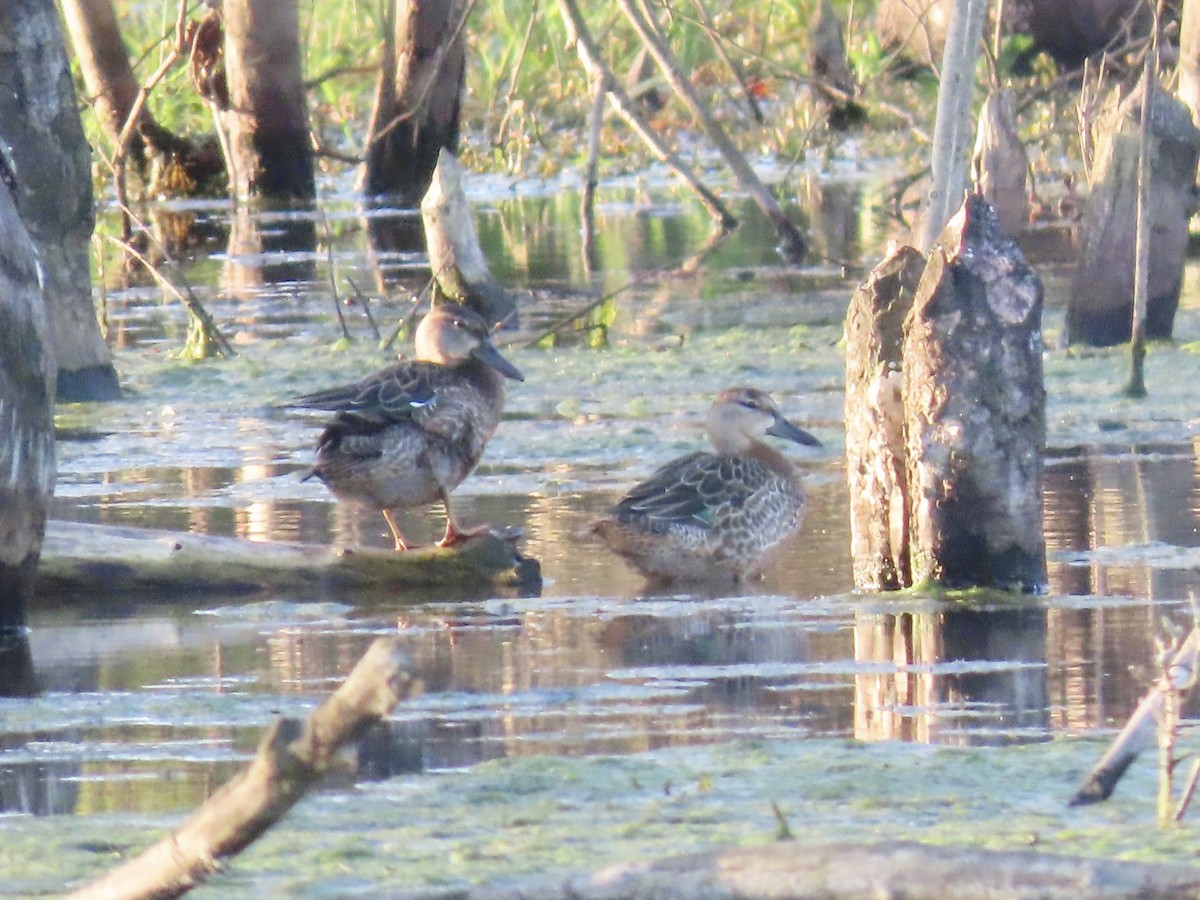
(457, 323)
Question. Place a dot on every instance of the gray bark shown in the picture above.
(879, 539)
(26, 413)
(269, 147)
(975, 411)
(40, 124)
(1100, 309)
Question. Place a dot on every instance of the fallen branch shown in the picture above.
(1139, 733)
(792, 245)
(589, 55)
(292, 758)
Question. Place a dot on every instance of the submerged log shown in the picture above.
(460, 269)
(1100, 309)
(893, 869)
(292, 758)
(875, 422)
(111, 560)
(1000, 166)
(975, 407)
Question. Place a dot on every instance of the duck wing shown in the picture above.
(396, 394)
(690, 490)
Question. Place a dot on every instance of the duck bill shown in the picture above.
(782, 428)
(490, 356)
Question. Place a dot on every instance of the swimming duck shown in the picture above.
(715, 516)
(410, 434)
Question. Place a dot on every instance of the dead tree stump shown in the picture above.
(419, 98)
(1100, 309)
(27, 376)
(460, 270)
(975, 410)
(875, 421)
(999, 165)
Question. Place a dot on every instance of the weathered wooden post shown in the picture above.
(875, 421)
(1100, 309)
(975, 410)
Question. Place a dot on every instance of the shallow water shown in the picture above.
(148, 704)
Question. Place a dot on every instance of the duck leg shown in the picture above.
(454, 534)
(401, 543)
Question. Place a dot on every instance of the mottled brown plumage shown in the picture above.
(409, 435)
(715, 516)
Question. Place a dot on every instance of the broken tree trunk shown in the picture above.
(1100, 309)
(180, 166)
(40, 125)
(1000, 166)
(459, 267)
(875, 422)
(270, 151)
(975, 411)
(26, 412)
(419, 98)
(292, 759)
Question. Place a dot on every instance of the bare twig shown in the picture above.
(365, 302)
(704, 20)
(196, 311)
(587, 203)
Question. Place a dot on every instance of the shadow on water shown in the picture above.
(150, 704)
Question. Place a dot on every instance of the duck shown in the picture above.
(718, 516)
(408, 435)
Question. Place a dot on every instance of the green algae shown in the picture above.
(531, 816)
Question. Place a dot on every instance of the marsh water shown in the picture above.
(147, 703)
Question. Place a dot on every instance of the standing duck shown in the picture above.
(715, 516)
(409, 435)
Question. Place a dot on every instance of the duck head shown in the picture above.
(740, 416)
(452, 333)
